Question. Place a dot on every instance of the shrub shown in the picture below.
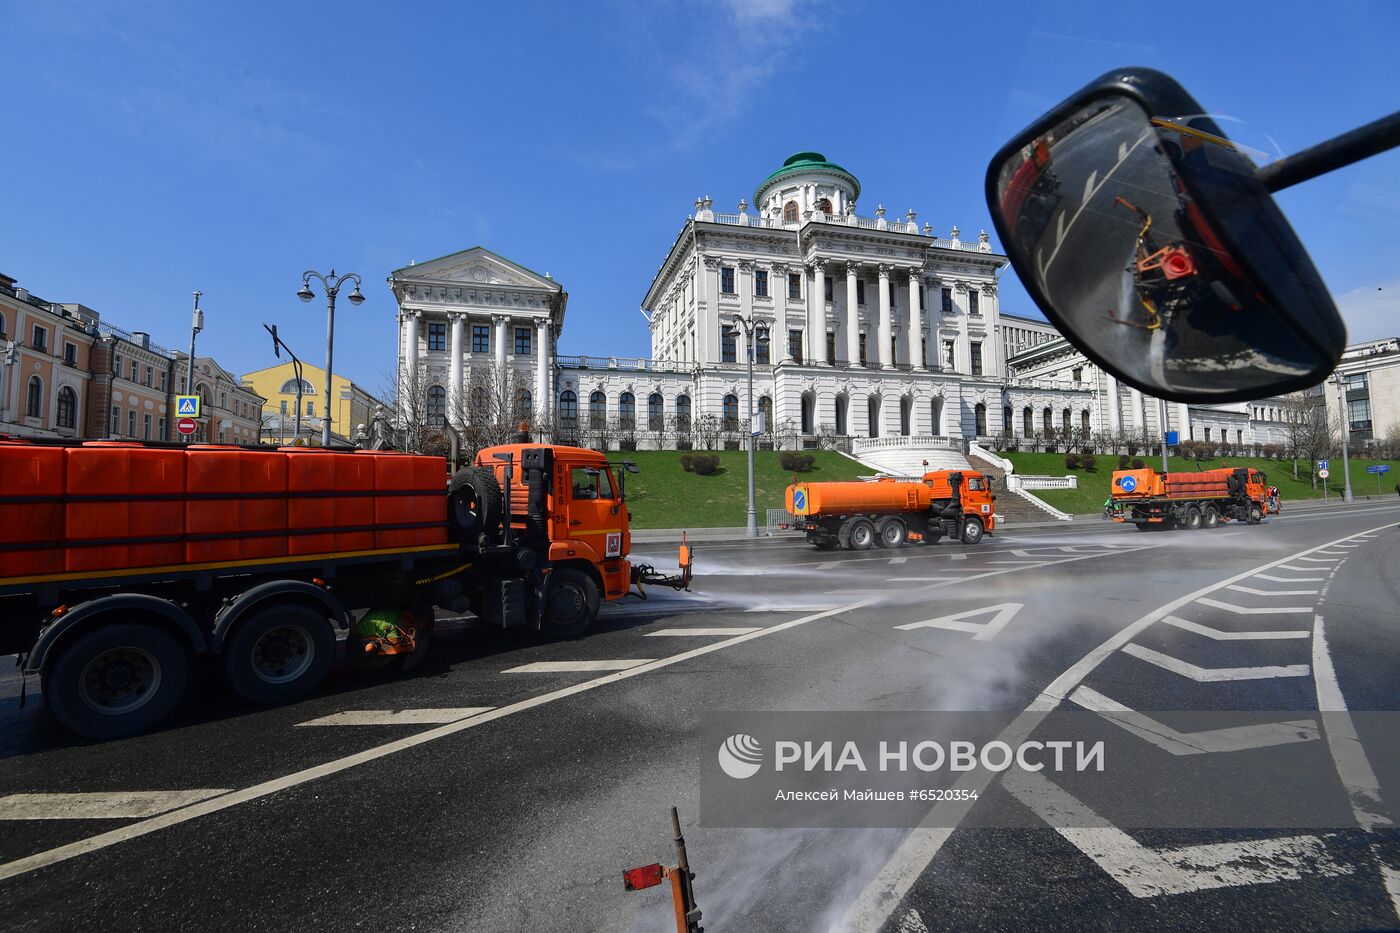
(794, 462)
(1071, 461)
(1122, 461)
(1088, 461)
(1138, 464)
(701, 463)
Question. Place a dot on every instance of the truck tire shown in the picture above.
(1256, 514)
(860, 534)
(1211, 517)
(972, 531)
(1143, 526)
(116, 680)
(570, 604)
(891, 532)
(1193, 519)
(473, 505)
(279, 653)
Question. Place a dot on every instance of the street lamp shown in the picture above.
(749, 326)
(331, 283)
(278, 345)
(196, 325)
(1342, 417)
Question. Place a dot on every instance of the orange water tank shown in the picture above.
(884, 495)
(124, 506)
(410, 504)
(31, 509)
(311, 500)
(237, 505)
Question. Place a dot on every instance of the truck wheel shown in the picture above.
(972, 531)
(1143, 526)
(891, 533)
(1211, 517)
(473, 505)
(1256, 515)
(279, 653)
(1193, 519)
(825, 544)
(570, 604)
(116, 680)
(860, 534)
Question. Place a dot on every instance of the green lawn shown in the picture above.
(1093, 486)
(663, 495)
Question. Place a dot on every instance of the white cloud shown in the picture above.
(1371, 312)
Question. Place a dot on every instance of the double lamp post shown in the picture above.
(750, 327)
(331, 283)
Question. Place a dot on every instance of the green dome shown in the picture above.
(804, 162)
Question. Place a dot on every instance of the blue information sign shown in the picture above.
(1173, 438)
(1128, 483)
(799, 500)
(1379, 468)
(1322, 464)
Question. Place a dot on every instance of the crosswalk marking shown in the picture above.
(1257, 592)
(572, 667)
(431, 716)
(1213, 674)
(1206, 741)
(101, 805)
(1221, 635)
(741, 630)
(1253, 610)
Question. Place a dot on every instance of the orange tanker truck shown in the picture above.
(1161, 501)
(889, 512)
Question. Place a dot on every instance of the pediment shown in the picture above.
(475, 266)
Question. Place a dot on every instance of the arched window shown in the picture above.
(809, 413)
(790, 212)
(1027, 421)
(872, 414)
(67, 408)
(683, 413)
(597, 409)
(729, 413)
(627, 410)
(1047, 421)
(906, 415)
(936, 408)
(437, 406)
(980, 420)
(290, 387)
(1084, 420)
(202, 391)
(1066, 421)
(1006, 418)
(568, 408)
(34, 404)
(656, 412)
(765, 408)
(524, 403)
(823, 205)
(843, 405)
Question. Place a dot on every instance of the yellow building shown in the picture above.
(352, 405)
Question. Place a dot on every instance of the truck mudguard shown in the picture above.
(121, 602)
(273, 590)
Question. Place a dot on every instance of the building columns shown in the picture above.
(1139, 411)
(542, 367)
(852, 320)
(500, 320)
(815, 350)
(881, 356)
(454, 383)
(1183, 420)
(916, 320)
(1115, 413)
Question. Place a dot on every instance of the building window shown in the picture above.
(481, 338)
(41, 338)
(70, 353)
(117, 367)
(150, 376)
(1007, 415)
(627, 411)
(1027, 422)
(831, 349)
(1077, 374)
(823, 205)
(860, 291)
(920, 289)
(163, 380)
(894, 293)
(524, 404)
(67, 408)
(1065, 421)
(146, 427)
(34, 403)
(790, 212)
(972, 297)
(862, 349)
(1047, 421)
(683, 412)
(223, 400)
(437, 406)
(1084, 422)
(311, 409)
(923, 352)
(1239, 436)
(894, 348)
(760, 283)
(728, 344)
(160, 429)
(726, 280)
(795, 345)
(830, 288)
(116, 423)
(729, 413)
(976, 353)
(949, 348)
(947, 300)
(568, 408)
(2, 325)
(133, 370)
(284, 406)
(1359, 414)
(131, 423)
(522, 341)
(437, 335)
(656, 412)
(290, 388)
(765, 410)
(794, 286)
(979, 415)
(762, 352)
(597, 409)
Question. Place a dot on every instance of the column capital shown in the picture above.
(817, 265)
(456, 317)
(745, 265)
(711, 263)
(407, 314)
(884, 269)
(852, 269)
(499, 319)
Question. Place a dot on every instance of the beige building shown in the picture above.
(45, 352)
(231, 411)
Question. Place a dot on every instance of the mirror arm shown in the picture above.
(1361, 143)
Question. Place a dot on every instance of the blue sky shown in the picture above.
(156, 148)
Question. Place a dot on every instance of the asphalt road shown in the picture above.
(507, 784)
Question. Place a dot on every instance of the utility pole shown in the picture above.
(1345, 422)
(750, 327)
(1162, 417)
(331, 283)
(196, 325)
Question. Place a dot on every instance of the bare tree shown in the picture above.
(1307, 431)
(416, 416)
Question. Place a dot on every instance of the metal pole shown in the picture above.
(1346, 429)
(330, 344)
(1162, 417)
(749, 331)
(189, 379)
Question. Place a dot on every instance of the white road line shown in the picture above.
(1206, 741)
(1266, 576)
(100, 805)
(1220, 635)
(931, 578)
(1147, 872)
(1296, 567)
(829, 565)
(397, 717)
(822, 608)
(982, 631)
(1254, 610)
(1258, 592)
(958, 556)
(1334, 553)
(1205, 675)
(1019, 563)
(665, 632)
(577, 667)
(898, 560)
(1321, 560)
(883, 894)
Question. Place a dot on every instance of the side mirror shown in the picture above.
(1144, 235)
(630, 467)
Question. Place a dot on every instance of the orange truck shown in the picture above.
(127, 567)
(1160, 501)
(888, 512)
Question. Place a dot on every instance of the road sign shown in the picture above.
(187, 426)
(799, 501)
(1378, 469)
(1322, 464)
(1173, 438)
(1323, 473)
(187, 406)
(1128, 483)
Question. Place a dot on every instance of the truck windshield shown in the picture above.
(591, 483)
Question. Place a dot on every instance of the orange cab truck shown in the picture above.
(1161, 501)
(124, 567)
(889, 512)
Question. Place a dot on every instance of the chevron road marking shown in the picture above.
(1213, 674)
(1321, 560)
(1294, 567)
(1220, 635)
(1254, 611)
(1268, 576)
(1257, 592)
(398, 717)
(1206, 741)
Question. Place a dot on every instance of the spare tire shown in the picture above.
(474, 505)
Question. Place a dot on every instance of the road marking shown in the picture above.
(1321, 560)
(1206, 741)
(958, 556)
(828, 565)
(741, 630)
(931, 578)
(1257, 592)
(823, 608)
(397, 717)
(1266, 576)
(1019, 563)
(1253, 610)
(898, 560)
(911, 922)
(1146, 872)
(1295, 567)
(577, 667)
(1220, 635)
(1334, 553)
(1213, 674)
(100, 805)
(984, 631)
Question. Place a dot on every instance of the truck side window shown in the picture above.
(974, 482)
(591, 483)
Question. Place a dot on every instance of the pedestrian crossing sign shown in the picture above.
(187, 406)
